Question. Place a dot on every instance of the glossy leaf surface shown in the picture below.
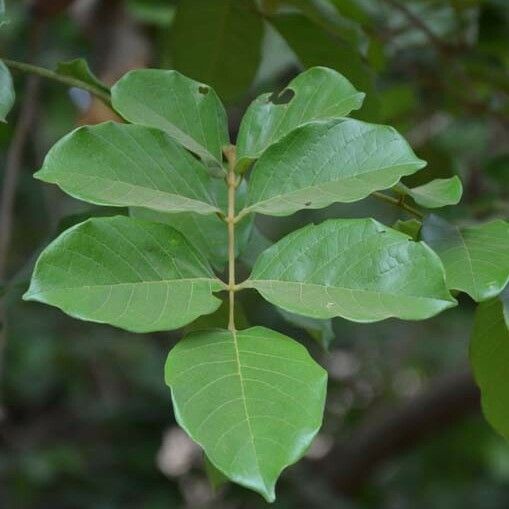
(317, 94)
(354, 268)
(437, 193)
(476, 258)
(253, 399)
(129, 273)
(489, 356)
(7, 94)
(129, 165)
(325, 162)
(218, 42)
(189, 111)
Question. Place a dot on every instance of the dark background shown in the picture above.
(85, 417)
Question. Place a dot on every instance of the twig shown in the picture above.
(398, 203)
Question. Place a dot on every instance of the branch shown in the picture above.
(52, 75)
(445, 403)
(398, 203)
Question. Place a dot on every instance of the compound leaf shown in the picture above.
(218, 43)
(475, 258)
(7, 94)
(189, 111)
(354, 268)
(489, 356)
(253, 399)
(129, 165)
(328, 161)
(133, 274)
(437, 193)
(318, 93)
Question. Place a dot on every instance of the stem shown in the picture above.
(52, 75)
(398, 203)
(231, 180)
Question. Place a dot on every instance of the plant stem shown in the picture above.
(398, 203)
(52, 75)
(231, 180)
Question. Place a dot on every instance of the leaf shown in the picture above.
(133, 274)
(320, 330)
(189, 111)
(253, 399)
(410, 227)
(489, 356)
(476, 258)
(318, 93)
(313, 46)
(216, 477)
(218, 43)
(437, 193)
(79, 69)
(207, 233)
(129, 165)
(354, 268)
(325, 162)
(7, 94)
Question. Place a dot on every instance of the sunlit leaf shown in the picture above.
(318, 93)
(189, 111)
(218, 42)
(325, 162)
(475, 258)
(7, 95)
(129, 273)
(129, 165)
(489, 356)
(253, 399)
(354, 268)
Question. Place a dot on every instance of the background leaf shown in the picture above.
(218, 43)
(354, 268)
(437, 193)
(79, 69)
(129, 273)
(475, 258)
(318, 93)
(129, 165)
(325, 162)
(489, 356)
(7, 94)
(189, 111)
(253, 399)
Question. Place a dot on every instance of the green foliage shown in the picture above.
(7, 94)
(475, 258)
(253, 399)
(79, 69)
(437, 193)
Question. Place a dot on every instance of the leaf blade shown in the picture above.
(354, 268)
(257, 370)
(130, 165)
(437, 193)
(7, 94)
(128, 273)
(328, 161)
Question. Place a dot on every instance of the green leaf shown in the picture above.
(189, 111)
(489, 356)
(354, 268)
(253, 399)
(313, 46)
(207, 233)
(7, 95)
(79, 69)
(437, 193)
(133, 274)
(325, 162)
(476, 258)
(318, 93)
(215, 476)
(129, 165)
(410, 227)
(219, 43)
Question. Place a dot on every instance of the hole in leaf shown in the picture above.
(203, 89)
(283, 97)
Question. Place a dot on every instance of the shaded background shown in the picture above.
(85, 417)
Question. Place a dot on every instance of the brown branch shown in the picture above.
(446, 402)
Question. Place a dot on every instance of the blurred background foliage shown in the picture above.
(85, 417)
